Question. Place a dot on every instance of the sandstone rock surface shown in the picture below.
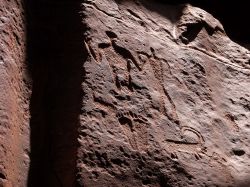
(121, 93)
(166, 98)
(14, 105)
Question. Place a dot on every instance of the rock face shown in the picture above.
(120, 93)
(14, 105)
(166, 98)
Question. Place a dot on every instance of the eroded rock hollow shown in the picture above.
(110, 93)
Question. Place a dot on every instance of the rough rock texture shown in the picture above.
(121, 93)
(166, 98)
(14, 106)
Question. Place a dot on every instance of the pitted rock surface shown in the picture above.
(166, 98)
(121, 93)
(14, 103)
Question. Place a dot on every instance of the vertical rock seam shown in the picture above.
(55, 58)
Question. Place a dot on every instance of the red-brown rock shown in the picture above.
(121, 93)
(166, 98)
(14, 105)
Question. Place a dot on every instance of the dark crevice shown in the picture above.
(232, 15)
(191, 32)
(103, 45)
(126, 121)
(111, 34)
(146, 181)
(117, 82)
(55, 55)
(193, 29)
(134, 14)
(163, 181)
(238, 152)
(130, 84)
(2, 176)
